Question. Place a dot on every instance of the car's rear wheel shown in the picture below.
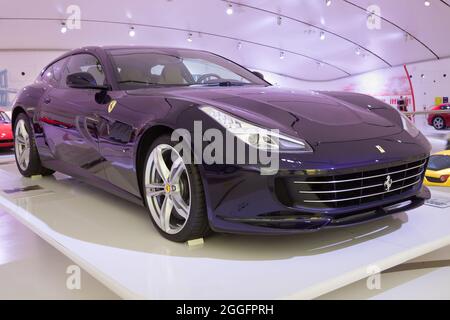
(439, 123)
(173, 193)
(25, 150)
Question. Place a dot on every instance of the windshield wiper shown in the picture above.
(154, 83)
(223, 84)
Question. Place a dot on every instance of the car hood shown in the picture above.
(316, 117)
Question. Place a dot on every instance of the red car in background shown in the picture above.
(6, 135)
(440, 121)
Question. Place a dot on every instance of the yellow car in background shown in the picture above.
(438, 171)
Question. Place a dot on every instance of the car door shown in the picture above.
(66, 118)
(117, 137)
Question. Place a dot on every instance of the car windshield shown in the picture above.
(439, 162)
(143, 68)
(4, 117)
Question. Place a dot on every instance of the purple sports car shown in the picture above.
(108, 115)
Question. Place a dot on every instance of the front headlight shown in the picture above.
(255, 136)
(408, 126)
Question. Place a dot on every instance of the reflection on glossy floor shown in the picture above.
(30, 268)
(426, 277)
(117, 244)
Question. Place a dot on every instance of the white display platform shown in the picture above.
(115, 241)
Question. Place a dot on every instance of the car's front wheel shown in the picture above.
(173, 193)
(439, 123)
(25, 150)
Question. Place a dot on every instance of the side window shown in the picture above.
(52, 75)
(57, 69)
(85, 63)
(4, 117)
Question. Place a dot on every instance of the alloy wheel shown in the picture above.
(167, 189)
(438, 123)
(22, 145)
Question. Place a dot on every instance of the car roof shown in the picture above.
(87, 49)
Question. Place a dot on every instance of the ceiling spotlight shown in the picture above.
(282, 55)
(358, 51)
(279, 20)
(319, 64)
(422, 76)
(427, 3)
(189, 38)
(63, 27)
(239, 45)
(328, 3)
(132, 32)
(229, 10)
(322, 35)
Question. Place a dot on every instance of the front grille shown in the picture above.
(353, 189)
(6, 141)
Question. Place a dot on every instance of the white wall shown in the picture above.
(434, 84)
(28, 62)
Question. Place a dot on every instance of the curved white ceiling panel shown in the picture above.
(254, 35)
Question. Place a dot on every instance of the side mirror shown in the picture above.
(258, 74)
(83, 80)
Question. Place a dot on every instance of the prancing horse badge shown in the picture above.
(111, 106)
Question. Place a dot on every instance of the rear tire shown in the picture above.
(173, 193)
(439, 123)
(25, 150)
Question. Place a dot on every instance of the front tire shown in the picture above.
(439, 123)
(25, 150)
(173, 193)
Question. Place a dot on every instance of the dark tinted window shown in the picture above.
(52, 75)
(143, 68)
(85, 63)
(4, 117)
(439, 162)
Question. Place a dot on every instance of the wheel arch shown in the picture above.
(16, 111)
(145, 141)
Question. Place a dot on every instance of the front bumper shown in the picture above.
(240, 200)
(301, 223)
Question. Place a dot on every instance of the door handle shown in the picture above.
(47, 100)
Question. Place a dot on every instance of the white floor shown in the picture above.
(423, 278)
(30, 268)
(118, 245)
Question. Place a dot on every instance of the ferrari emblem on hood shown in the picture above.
(380, 148)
